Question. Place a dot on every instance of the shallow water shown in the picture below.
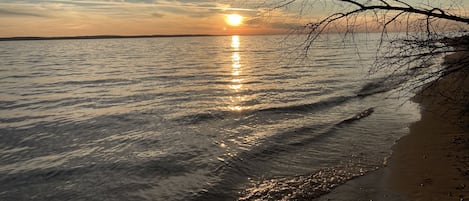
(196, 118)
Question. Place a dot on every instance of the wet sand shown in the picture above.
(432, 162)
(373, 186)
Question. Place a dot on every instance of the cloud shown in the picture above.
(254, 21)
(140, 1)
(89, 17)
(13, 13)
(286, 25)
(157, 15)
(199, 10)
(260, 21)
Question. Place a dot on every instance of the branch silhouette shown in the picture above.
(319, 27)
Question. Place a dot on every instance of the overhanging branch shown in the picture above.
(407, 8)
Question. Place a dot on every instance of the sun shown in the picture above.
(234, 19)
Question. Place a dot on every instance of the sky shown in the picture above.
(149, 17)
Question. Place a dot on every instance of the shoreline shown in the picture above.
(432, 161)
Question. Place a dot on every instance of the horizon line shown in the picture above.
(89, 37)
(106, 36)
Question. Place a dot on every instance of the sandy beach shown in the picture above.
(432, 162)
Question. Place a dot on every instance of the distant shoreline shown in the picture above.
(101, 37)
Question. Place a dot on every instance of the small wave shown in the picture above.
(17, 77)
(201, 117)
(100, 81)
(49, 104)
(158, 168)
(301, 136)
(382, 85)
(303, 108)
(21, 119)
(288, 141)
(304, 141)
(311, 106)
(358, 116)
(373, 88)
(6, 104)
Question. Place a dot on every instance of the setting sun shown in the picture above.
(234, 19)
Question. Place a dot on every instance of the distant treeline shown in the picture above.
(98, 37)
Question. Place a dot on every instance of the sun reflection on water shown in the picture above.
(235, 43)
(236, 72)
(235, 58)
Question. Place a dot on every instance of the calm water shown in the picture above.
(196, 118)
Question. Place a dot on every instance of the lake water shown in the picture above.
(190, 118)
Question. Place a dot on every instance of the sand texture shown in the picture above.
(432, 162)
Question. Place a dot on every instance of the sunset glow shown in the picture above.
(148, 17)
(234, 19)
